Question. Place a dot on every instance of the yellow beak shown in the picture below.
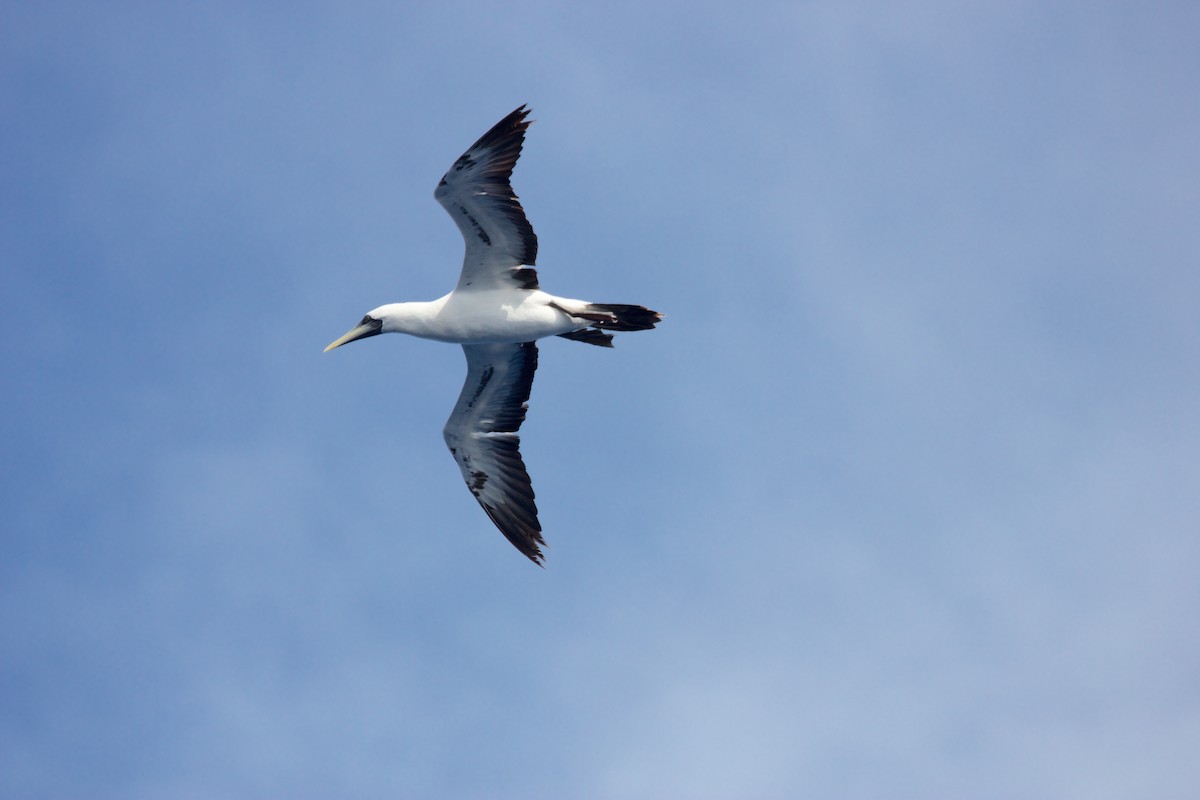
(367, 328)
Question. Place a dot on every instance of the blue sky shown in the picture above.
(900, 501)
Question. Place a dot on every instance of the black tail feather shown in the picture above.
(618, 317)
(590, 336)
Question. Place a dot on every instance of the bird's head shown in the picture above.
(371, 325)
(390, 318)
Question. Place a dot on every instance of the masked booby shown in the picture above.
(497, 312)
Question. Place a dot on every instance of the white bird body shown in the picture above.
(483, 316)
(497, 312)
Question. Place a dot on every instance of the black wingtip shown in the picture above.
(526, 537)
(512, 127)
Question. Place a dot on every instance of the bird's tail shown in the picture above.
(604, 317)
(617, 317)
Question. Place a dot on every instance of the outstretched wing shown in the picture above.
(479, 198)
(482, 436)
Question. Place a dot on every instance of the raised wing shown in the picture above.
(479, 198)
(482, 436)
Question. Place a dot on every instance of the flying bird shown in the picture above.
(497, 312)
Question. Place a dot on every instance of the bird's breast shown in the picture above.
(494, 317)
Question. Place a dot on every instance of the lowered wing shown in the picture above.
(482, 436)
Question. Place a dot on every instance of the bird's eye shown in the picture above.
(367, 320)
